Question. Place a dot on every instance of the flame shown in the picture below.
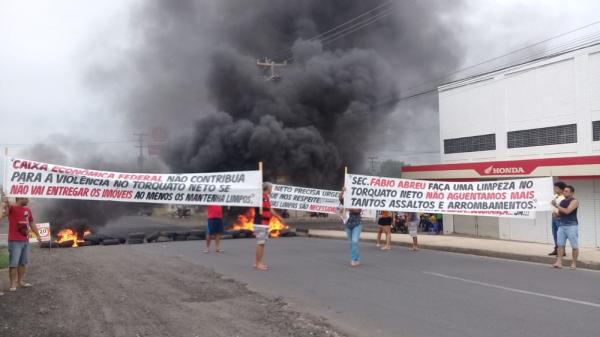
(246, 221)
(276, 226)
(68, 234)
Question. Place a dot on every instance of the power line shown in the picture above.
(508, 54)
(365, 19)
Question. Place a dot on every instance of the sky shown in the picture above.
(48, 45)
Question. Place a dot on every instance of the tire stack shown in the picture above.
(287, 233)
(111, 242)
(95, 239)
(234, 234)
(136, 238)
(153, 237)
(197, 235)
(245, 233)
(181, 236)
(165, 236)
(121, 239)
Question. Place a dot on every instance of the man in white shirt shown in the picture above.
(559, 187)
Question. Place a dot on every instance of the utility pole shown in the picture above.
(372, 159)
(141, 140)
(271, 65)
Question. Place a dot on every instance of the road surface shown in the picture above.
(401, 293)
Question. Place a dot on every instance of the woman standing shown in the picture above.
(386, 218)
(353, 229)
(412, 219)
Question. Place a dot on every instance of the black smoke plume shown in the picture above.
(192, 69)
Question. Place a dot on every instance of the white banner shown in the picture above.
(305, 199)
(25, 178)
(519, 198)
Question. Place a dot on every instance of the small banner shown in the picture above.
(25, 178)
(44, 230)
(305, 199)
(519, 198)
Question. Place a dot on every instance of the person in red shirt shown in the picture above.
(261, 225)
(215, 227)
(20, 222)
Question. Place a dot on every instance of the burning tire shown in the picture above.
(287, 234)
(235, 234)
(246, 233)
(93, 240)
(97, 238)
(111, 242)
(153, 237)
(66, 244)
(92, 243)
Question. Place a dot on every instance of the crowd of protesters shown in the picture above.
(564, 228)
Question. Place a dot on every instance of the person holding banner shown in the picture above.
(261, 225)
(559, 187)
(353, 228)
(386, 218)
(214, 227)
(20, 222)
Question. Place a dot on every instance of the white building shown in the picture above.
(541, 118)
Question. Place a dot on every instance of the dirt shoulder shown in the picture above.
(116, 291)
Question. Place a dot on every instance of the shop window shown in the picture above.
(596, 130)
(563, 134)
(470, 144)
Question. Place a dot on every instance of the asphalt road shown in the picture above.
(400, 293)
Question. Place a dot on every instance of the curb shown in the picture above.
(481, 252)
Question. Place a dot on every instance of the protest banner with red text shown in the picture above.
(25, 178)
(519, 198)
(305, 199)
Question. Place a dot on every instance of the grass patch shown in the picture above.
(3, 258)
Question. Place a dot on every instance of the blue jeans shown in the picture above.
(570, 232)
(554, 229)
(354, 236)
(18, 253)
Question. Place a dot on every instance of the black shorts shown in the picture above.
(215, 226)
(384, 221)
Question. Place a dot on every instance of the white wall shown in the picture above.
(558, 91)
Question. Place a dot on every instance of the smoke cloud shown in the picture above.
(192, 70)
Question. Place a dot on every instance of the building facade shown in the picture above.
(536, 119)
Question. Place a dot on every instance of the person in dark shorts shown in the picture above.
(20, 222)
(215, 227)
(386, 218)
(568, 226)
